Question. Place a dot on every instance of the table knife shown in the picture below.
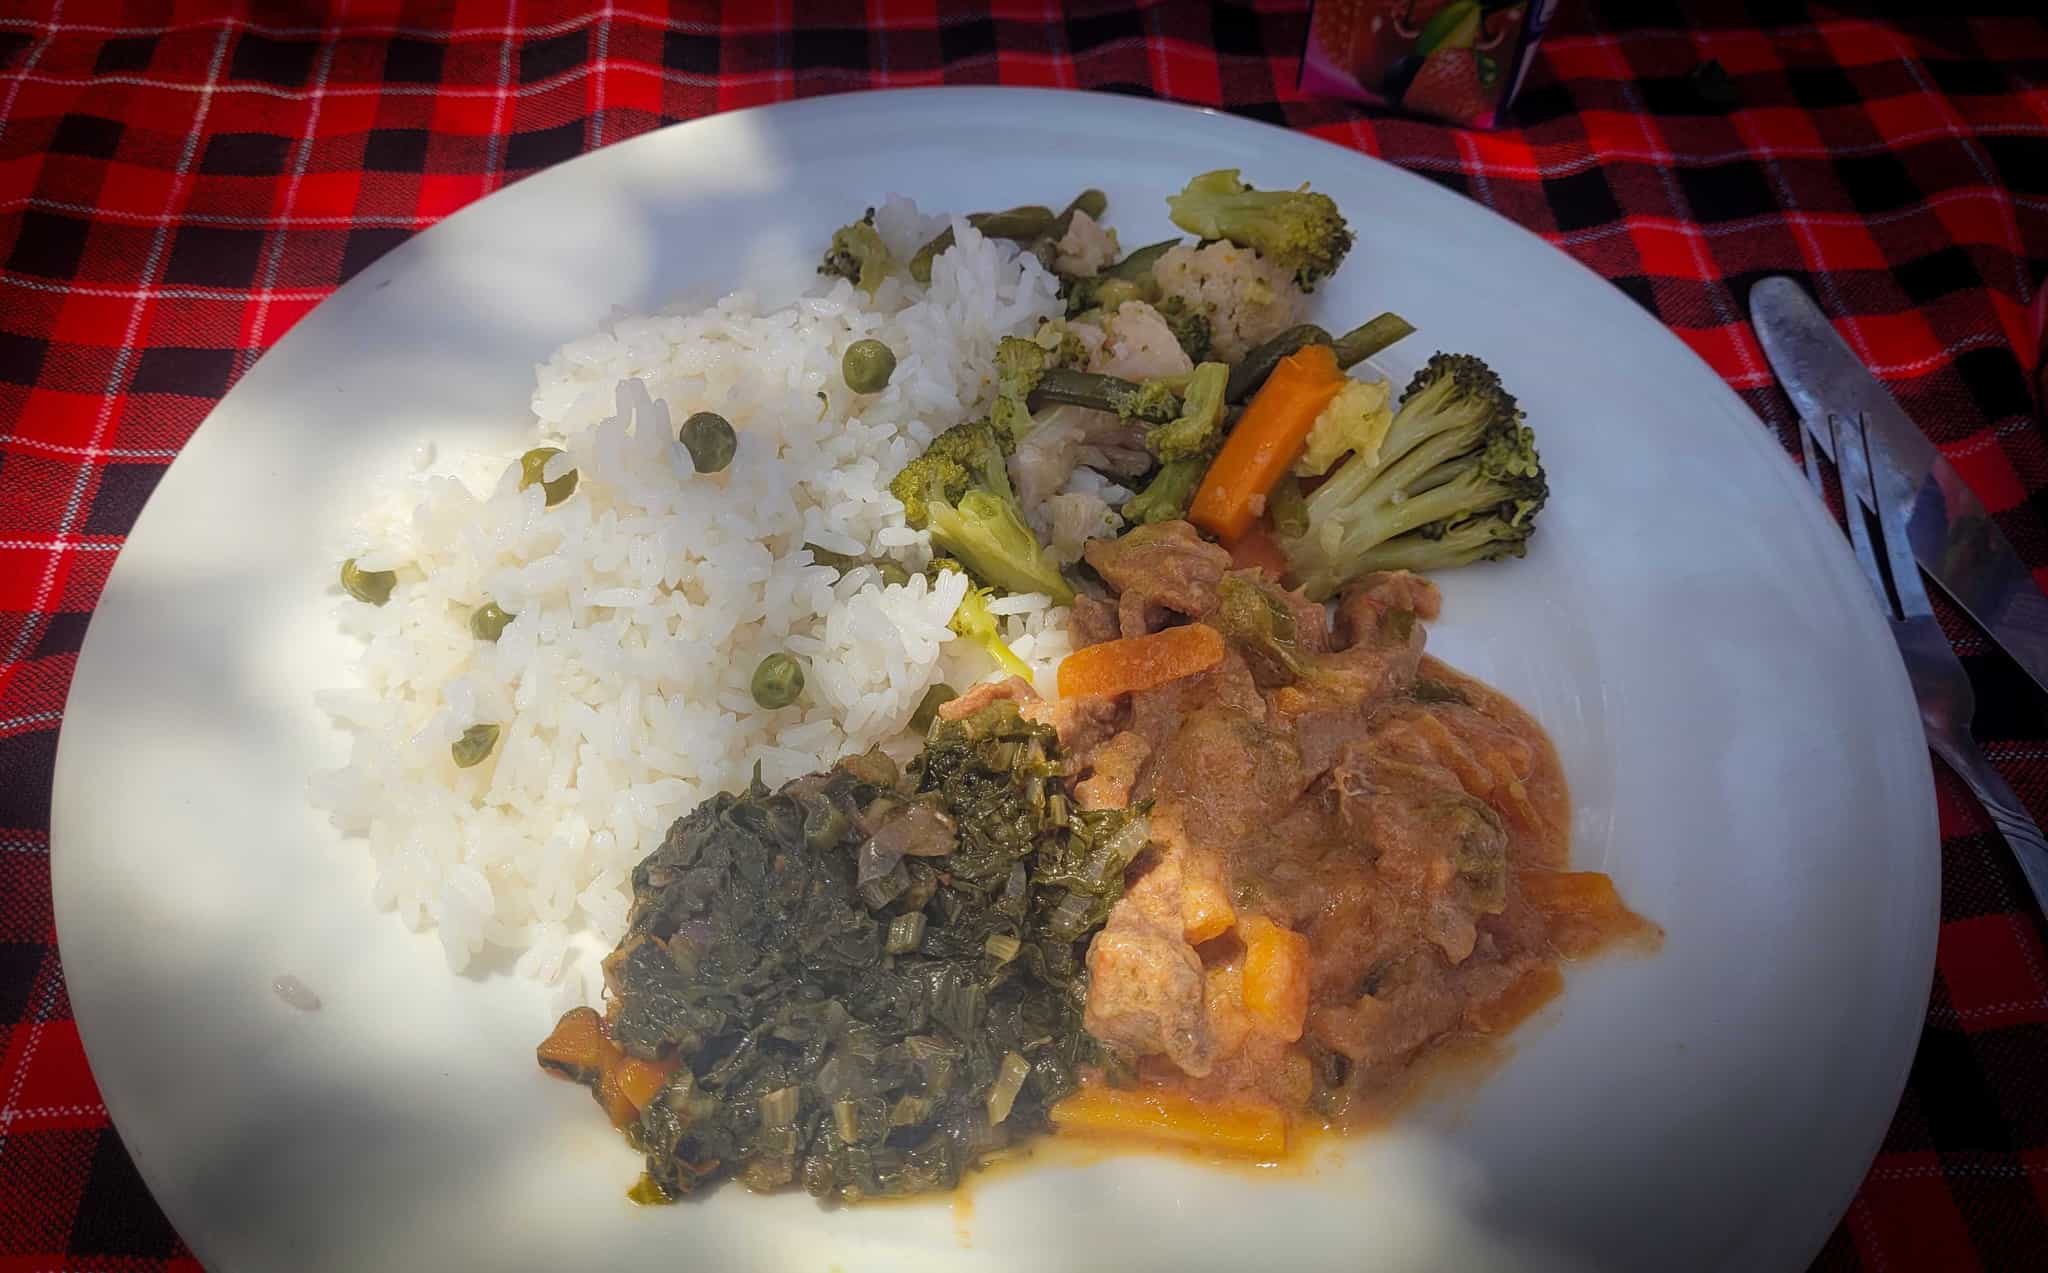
(1954, 539)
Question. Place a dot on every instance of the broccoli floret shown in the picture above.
(947, 466)
(1299, 230)
(971, 619)
(1445, 546)
(959, 489)
(1456, 452)
(1062, 347)
(1128, 280)
(1019, 364)
(1190, 326)
(1198, 429)
(858, 253)
(1167, 496)
(1354, 422)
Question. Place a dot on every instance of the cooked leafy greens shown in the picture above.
(866, 983)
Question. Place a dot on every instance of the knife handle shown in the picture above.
(2007, 813)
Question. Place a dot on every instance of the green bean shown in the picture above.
(1111, 293)
(1287, 509)
(1139, 262)
(777, 681)
(373, 586)
(1146, 400)
(709, 439)
(1093, 202)
(867, 366)
(533, 467)
(928, 708)
(1370, 337)
(475, 744)
(488, 621)
(1022, 224)
(1251, 370)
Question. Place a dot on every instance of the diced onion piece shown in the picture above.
(905, 933)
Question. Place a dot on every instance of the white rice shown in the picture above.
(646, 599)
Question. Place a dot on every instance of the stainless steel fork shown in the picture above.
(1939, 682)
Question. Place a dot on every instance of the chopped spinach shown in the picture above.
(823, 1037)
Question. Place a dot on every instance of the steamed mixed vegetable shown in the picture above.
(1185, 376)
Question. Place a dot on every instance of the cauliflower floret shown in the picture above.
(1357, 419)
(1138, 345)
(1074, 518)
(1085, 248)
(1248, 300)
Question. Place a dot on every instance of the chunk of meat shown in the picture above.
(1091, 621)
(1113, 770)
(1085, 248)
(1045, 458)
(1015, 688)
(1158, 713)
(1145, 985)
(1082, 723)
(1365, 604)
(1138, 345)
(1165, 568)
(1227, 776)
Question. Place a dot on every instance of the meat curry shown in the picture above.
(1356, 852)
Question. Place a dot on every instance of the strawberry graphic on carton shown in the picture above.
(1459, 60)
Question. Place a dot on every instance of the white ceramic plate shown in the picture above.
(1745, 755)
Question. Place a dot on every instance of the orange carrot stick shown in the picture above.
(1245, 1127)
(1140, 662)
(1265, 441)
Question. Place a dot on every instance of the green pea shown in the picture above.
(928, 710)
(373, 586)
(867, 366)
(475, 744)
(487, 622)
(709, 439)
(534, 464)
(777, 681)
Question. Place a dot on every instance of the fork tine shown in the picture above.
(1811, 462)
(1852, 464)
(1891, 526)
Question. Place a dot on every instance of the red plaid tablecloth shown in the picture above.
(180, 182)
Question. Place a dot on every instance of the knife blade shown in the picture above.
(1953, 537)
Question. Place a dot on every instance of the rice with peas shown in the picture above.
(645, 600)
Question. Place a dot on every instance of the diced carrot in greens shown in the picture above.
(1141, 662)
(1275, 977)
(577, 1048)
(641, 1081)
(1257, 549)
(1265, 441)
(1241, 1127)
(611, 1094)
